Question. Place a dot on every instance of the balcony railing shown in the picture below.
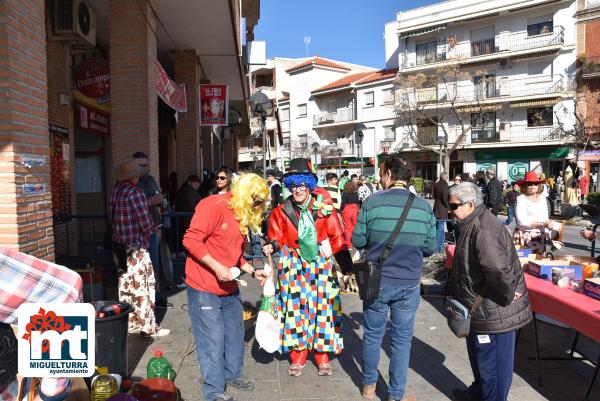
(591, 67)
(501, 43)
(487, 90)
(427, 135)
(523, 133)
(340, 116)
(479, 135)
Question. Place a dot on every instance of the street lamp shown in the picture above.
(441, 141)
(315, 147)
(261, 105)
(359, 139)
(339, 153)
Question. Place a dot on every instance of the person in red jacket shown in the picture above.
(214, 244)
(308, 232)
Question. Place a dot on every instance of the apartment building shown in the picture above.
(293, 129)
(514, 64)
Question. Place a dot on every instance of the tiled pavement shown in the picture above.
(438, 362)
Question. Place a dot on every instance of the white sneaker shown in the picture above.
(159, 333)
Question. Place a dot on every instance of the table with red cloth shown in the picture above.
(573, 309)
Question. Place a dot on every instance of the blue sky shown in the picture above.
(346, 30)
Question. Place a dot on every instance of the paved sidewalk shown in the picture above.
(438, 363)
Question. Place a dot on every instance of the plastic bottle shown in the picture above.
(104, 385)
(159, 366)
(111, 310)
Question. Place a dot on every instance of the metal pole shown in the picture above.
(264, 146)
(441, 167)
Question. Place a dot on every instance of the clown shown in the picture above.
(307, 231)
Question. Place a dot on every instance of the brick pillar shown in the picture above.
(134, 107)
(25, 218)
(188, 128)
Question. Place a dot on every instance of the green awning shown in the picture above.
(525, 154)
(422, 31)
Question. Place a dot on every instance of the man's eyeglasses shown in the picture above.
(301, 187)
(454, 206)
(221, 178)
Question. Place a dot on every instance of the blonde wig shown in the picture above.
(245, 190)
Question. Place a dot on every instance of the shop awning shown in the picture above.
(531, 153)
(423, 31)
(535, 103)
(475, 109)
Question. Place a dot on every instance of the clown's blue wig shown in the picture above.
(296, 179)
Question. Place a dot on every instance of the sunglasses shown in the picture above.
(454, 206)
(221, 178)
(257, 202)
(531, 184)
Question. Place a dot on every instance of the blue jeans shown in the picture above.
(218, 326)
(492, 364)
(511, 215)
(403, 303)
(439, 225)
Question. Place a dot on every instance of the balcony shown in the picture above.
(488, 91)
(484, 135)
(590, 67)
(523, 133)
(337, 117)
(502, 45)
(427, 135)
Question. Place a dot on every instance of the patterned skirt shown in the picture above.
(309, 304)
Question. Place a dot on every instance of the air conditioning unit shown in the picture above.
(75, 19)
(505, 63)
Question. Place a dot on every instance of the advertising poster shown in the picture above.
(517, 170)
(213, 105)
(483, 166)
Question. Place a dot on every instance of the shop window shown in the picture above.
(540, 117)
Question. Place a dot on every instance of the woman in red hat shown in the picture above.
(531, 214)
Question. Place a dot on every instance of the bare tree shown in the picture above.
(437, 110)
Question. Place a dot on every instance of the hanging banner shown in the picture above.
(517, 170)
(93, 120)
(214, 105)
(172, 93)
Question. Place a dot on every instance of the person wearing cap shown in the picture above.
(132, 227)
(493, 199)
(531, 214)
(307, 231)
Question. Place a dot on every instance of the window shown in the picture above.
(285, 114)
(302, 110)
(540, 25)
(485, 86)
(369, 99)
(539, 69)
(483, 127)
(302, 140)
(539, 117)
(388, 96)
(426, 52)
(389, 134)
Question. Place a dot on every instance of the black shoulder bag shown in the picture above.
(367, 273)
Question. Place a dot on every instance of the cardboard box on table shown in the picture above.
(591, 288)
(542, 268)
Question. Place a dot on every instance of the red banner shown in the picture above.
(214, 105)
(172, 93)
(93, 120)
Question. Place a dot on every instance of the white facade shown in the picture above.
(527, 52)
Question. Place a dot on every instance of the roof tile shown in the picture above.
(378, 76)
(317, 61)
(344, 81)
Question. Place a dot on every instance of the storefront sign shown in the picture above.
(92, 77)
(588, 155)
(535, 153)
(517, 170)
(213, 105)
(483, 166)
(172, 93)
(93, 120)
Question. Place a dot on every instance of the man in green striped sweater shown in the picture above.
(400, 275)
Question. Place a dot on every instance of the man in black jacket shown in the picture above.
(440, 208)
(486, 264)
(494, 191)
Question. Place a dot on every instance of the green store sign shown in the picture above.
(484, 166)
(517, 170)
